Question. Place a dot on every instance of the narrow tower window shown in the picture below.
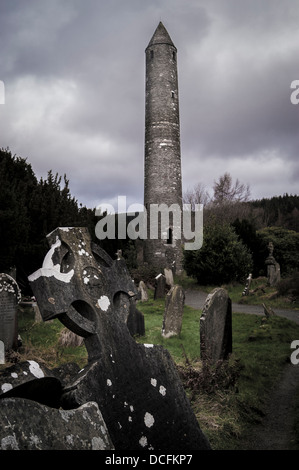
(152, 54)
(174, 55)
(169, 237)
(172, 94)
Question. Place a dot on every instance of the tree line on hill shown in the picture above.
(236, 229)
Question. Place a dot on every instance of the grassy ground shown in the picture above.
(228, 398)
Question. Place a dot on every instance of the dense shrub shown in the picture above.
(223, 258)
(289, 286)
(286, 247)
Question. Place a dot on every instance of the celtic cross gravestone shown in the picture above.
(136, 386)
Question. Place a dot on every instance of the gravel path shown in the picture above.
(275, 431)
(196, 299)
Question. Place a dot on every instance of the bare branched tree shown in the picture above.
(227, 192)
(197, 195)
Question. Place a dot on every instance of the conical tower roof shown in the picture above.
(160, 36)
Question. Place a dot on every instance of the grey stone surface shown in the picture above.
(162, 162)
(216, 326)
(136, 387)
(31, 380)
(173, 314)
(10, 296)
(141, 398)
(27, 425)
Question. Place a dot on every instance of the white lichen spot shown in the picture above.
(103, 303)
(154, 382)
(9, 443)
(36, 370)
(109, 383)
(112, 360)
(97, 444)
(34, 440)
(132, 408)
(143, 441)
(70, 439)
(162, 390)
(148, 420)
(130, 418)
(14, 375)
(148, 345)
(6, 387)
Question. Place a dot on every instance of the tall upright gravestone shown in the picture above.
(136, 386)
(173, 313)
(216, 326)
(9, 298)
(273, 268)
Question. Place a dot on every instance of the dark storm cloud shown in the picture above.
(74, 82)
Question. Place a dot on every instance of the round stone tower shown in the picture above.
(162, 159)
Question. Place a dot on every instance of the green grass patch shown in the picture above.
(40, 341)
(260, 293)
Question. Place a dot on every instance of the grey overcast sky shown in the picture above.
(74, 77)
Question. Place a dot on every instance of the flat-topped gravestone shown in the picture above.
(173, 313)
(160, 283)
(216, 326)
(136, 386)
(10, 296)
(29, 425)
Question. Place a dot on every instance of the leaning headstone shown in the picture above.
(143, 291)
(90, 293)
(168, 277)
(29, 425)
(216, 326)
(160, 283)
(268, 311)
(173, 313)
(10, 296)
(273, 268)
(37, 315)
(32, 380)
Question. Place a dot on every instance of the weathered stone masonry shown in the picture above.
(162, 165)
